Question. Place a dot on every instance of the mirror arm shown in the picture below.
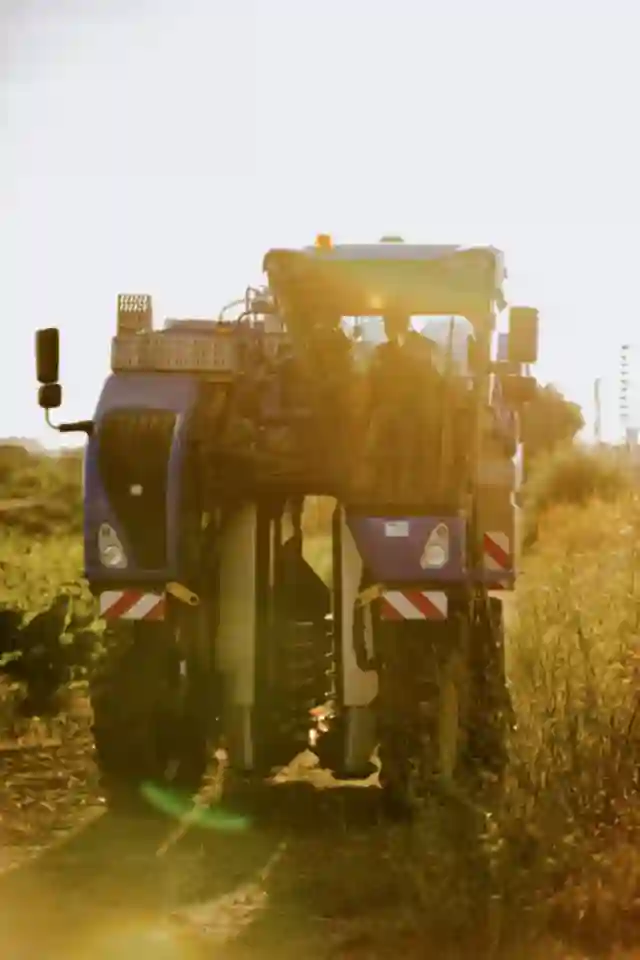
(77, 426)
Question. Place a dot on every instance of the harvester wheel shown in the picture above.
(491, 710)
(451, 732)
(396, 776)
(149, 732)
(422, 709)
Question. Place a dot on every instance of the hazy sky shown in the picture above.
(157, 146)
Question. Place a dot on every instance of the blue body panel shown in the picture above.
(141, 391)
(392, 547)
(392, 554)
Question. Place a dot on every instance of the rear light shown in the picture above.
(436, 551)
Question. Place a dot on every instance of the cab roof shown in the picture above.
(395, 250)
(358, 279)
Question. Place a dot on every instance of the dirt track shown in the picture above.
(304, 877)
(309, 873)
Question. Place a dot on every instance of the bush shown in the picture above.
(575, 475)
(48, 635)
(40, 494)
(550, 421)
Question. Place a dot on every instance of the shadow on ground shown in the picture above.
(334, 892)
(292, 871)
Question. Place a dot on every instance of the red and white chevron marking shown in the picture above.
(413, 605)
(132, 605)
(496, 552)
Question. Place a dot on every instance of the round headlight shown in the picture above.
(112, 553)
(435, 556)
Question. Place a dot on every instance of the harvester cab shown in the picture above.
(277, 525)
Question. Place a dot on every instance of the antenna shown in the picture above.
(625, 383)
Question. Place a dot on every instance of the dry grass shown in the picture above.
(571, 822)
(559, 853)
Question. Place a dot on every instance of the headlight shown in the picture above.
(436, 550)
(434, 556)
(110, 549)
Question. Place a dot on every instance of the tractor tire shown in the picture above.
(422, 712)
(491, 710)
(148, 725)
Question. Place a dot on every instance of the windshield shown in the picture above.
(435, 328)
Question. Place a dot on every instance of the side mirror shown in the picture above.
(48, 373)
(48, 356)
(522, 342)
(50, 396)
(518, 390)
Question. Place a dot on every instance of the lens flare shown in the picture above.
(182, 807)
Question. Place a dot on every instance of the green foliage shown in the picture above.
(41, 517)
(41, 561)
(35, 569)
(40, 494)
(549, 421)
